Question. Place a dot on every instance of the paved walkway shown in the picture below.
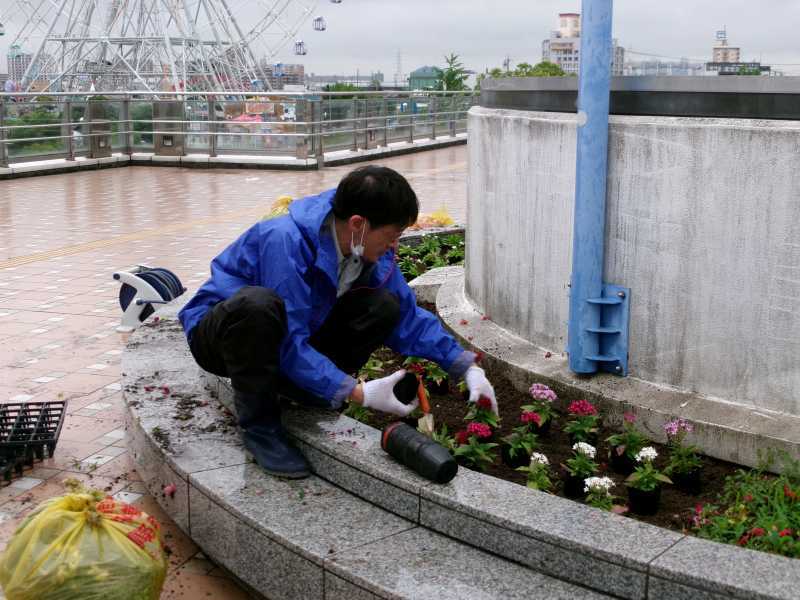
(61, 238)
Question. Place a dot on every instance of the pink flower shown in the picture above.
(461, 437)
(629, 418)
(484, 403)
(539, 391)
(785, 532)
(531, 417)
(757, 531)
(582, 408)
(677, 426)
(482, 430)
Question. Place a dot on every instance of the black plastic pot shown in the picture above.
(688, 482)
(573, 487)
(621, 463)
(540, 429)
(644, 503)
(520, 459)
(439, 389)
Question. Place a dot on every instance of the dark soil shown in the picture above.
(450, 410)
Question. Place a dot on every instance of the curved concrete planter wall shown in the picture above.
(702, 225)
(364, 527)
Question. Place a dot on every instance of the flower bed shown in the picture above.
(710, 506)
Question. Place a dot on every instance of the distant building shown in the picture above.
(424, 78)
(563, 47)
(722, 52)
(18, 62)
(318, 82)
(663, 68)
(283, 74)
(726, 60)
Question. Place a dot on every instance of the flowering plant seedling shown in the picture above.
(683, 458)
(585, 421)
(358, 412)
(628, 442)
(582, 462)
(481, 411)
(538, 473)
(755, 510)
(598, 492)
(645, 476)
(478, 454)
(542, 402)
(520, 442)
(372, 369)
(427, 369)
(444, 438)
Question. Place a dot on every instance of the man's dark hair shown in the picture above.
(380, 194)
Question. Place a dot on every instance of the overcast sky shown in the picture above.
(365, 35)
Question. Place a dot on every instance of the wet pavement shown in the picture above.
(62, 237)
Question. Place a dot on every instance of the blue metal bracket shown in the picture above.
(612, 332)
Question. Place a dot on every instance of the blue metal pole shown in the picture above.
(590, 184)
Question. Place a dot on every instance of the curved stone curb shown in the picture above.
(221, 497)
(295, 539)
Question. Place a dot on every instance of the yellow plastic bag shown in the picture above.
(82, 545)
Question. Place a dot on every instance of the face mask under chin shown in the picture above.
(357, 250)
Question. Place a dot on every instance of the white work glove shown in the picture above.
(479, 386)
(379, 395)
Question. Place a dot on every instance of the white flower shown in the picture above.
(539, 459)
(647, 453)
(586, 449)
(598, 484)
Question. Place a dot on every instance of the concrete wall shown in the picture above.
(703, 224)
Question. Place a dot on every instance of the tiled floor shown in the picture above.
(61, 238)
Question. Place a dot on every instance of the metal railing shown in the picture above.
(302, 125)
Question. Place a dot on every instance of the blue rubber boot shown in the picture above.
(266, 439)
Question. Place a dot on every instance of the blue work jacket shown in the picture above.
(294, 256)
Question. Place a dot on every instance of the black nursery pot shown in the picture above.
(440, 389)
(621, 463)
(688, 482)
(644, 503)
(520, 459)
(573, 487)
(540, 429)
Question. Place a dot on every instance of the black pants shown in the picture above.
(240, 337)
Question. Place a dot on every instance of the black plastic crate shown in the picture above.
(27, 431)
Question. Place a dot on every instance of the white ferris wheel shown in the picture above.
(153, 45)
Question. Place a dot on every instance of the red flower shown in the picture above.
(742, 540)
(747, 498)
(531, 417)
(787, 491)
(482, 430)
(582, 408)
(461, 437)
(757, 531)
(416, 368)
(785, 533)
(485, 403)
(478, 357)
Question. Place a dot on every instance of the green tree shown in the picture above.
(453, 77)
(524, 69)
(748, 71)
